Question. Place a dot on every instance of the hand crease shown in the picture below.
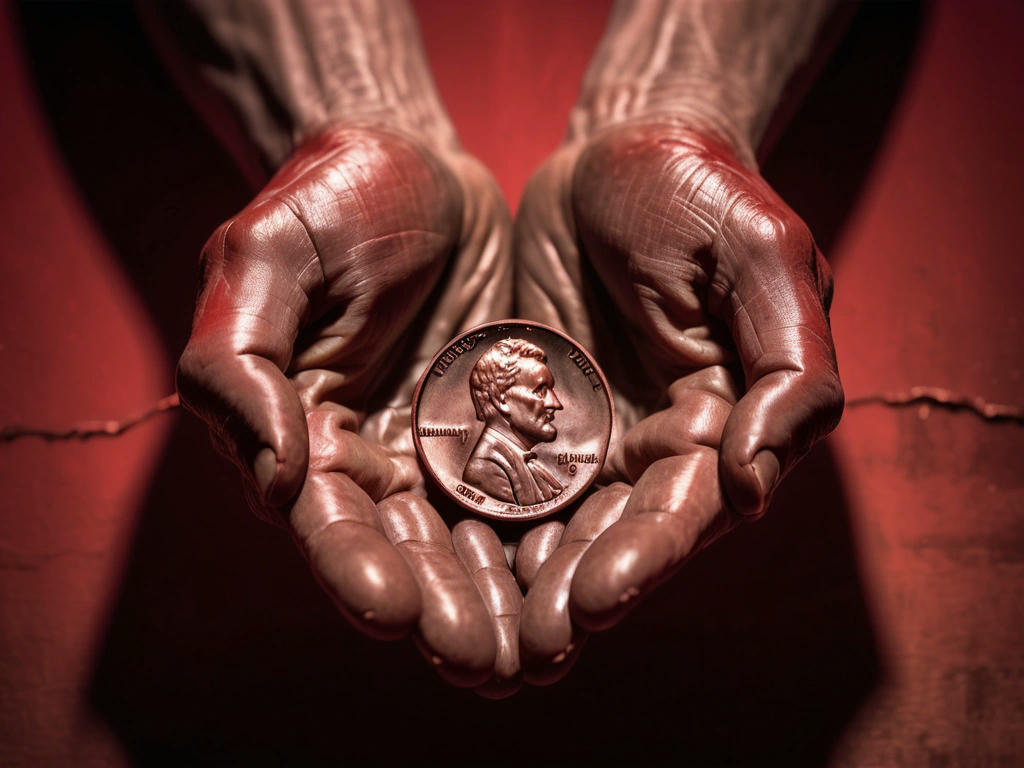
(293, 207)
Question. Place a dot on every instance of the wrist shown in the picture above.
(718, 65)
(412, 118)
(289, 71)
(695, 105)
(339, 90)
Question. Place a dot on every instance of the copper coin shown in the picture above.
(511, 419)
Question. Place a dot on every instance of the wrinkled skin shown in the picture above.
(705, 300)
(699, 291)
(321, 303)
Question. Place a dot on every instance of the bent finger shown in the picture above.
(483, 556)
(258, 270)
(673, 505)
(674, 509)
(699, 407)
(336, 525)
(336, 446)
(794, 396)
(455, 629)
(550, 641)
(535, 548)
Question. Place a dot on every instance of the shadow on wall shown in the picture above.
(220, 647)
(821, 162)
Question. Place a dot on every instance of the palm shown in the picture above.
(322, 301)
(702, 295)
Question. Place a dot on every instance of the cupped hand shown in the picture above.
(320, 304)
(705, 300)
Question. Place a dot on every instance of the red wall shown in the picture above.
(873, 618)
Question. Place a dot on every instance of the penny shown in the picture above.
(512, 419)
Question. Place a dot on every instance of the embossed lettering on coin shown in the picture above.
(512, 420)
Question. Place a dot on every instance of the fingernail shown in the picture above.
(766, 472)
(264, 468)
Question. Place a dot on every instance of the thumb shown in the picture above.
(254, 294)
(777, 313)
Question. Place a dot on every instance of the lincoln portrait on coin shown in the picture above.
(513, 394)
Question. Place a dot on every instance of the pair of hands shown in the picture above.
(698, 290)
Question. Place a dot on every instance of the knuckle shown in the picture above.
(239, 236)
(414, 180)
(782, 232)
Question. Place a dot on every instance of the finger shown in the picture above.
(258, 271)
(700, 404)
(455, 629)
(674, 509)
(550, 643)
(337, 526)
(673, 506)
(335, 446)
(776, 311)
(535, 548)
(483, 556)
(668, 455)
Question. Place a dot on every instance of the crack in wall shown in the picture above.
(942, 398)
(86, 430)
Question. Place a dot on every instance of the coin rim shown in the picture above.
(430, 470)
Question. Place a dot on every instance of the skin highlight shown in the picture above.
(648, 236)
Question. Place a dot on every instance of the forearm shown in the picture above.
(289, 69)
(719, 63)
